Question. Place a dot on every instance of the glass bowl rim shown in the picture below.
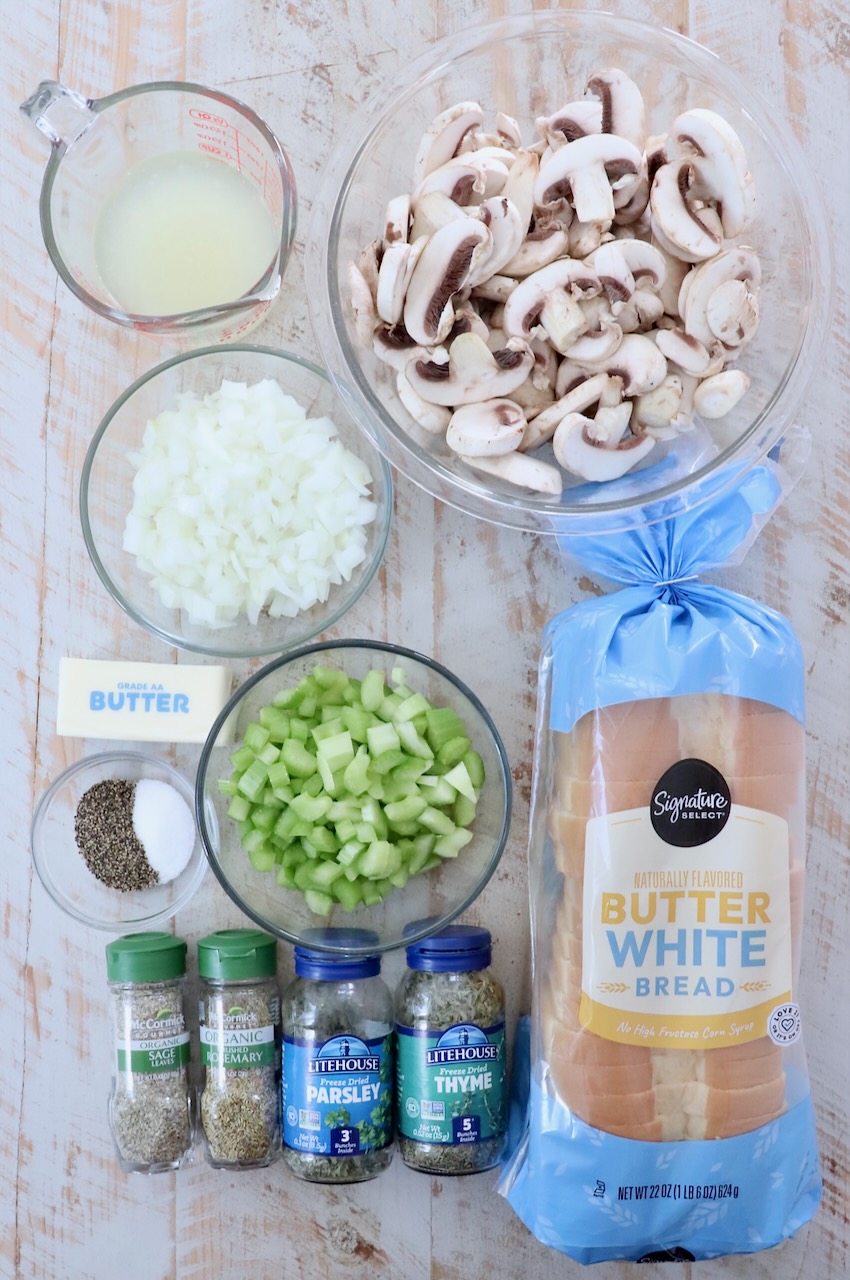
(37, 848)
(397, 651)
(147, 624)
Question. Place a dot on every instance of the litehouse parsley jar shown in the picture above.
(150, 1107)
(239, 1017)
(337, 1063)
(450, 1055)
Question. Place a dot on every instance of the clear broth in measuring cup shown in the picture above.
(183, 231)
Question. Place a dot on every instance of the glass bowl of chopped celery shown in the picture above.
(230, 504)
(365, 784)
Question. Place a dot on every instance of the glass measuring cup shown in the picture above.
(96, 143)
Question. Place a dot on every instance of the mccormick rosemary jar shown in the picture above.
(450, 1055)
(150, 1107)
(337, 1062)
(239, 1016)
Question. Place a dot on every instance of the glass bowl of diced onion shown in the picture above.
(353, 783)
(230, 505)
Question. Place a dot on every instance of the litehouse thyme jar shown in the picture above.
(239, 1016)
(150, 1108)
(337, 1062)
(450, 1054)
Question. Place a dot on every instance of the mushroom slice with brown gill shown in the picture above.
(460, 179)
(542, 427)
(715, 397)
(699, 286)
(683, 350)
(432, 211)
(623, 112)
(519, 469)
(719, 163)
(596, 345)
(538, 249)
(733, 313)
(637, 361)
(585, 449)
(574, 120)
(503, 221)
(682, 229)
(584, 171)
(472, 373)
(393, 345)
(610, 264)
(486, 429)
(440, 272)
(397, 223)
(519, 185)
(508, 129)
(525, 305)
(394, 276)
(433, 418)
(443, 137)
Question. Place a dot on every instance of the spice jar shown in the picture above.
(239, 1015)
(337, 1062)
(450, 1054)
(150, 1107)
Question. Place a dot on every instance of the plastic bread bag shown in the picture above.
(669, 1113)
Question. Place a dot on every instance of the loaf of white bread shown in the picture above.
(611, 762)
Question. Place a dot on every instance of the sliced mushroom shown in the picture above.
(610, 264)
(443, 137)
(630, 204)
(467, 320)
(588, 392)
(643, 311)
(508, 128)
(394, 276)
(585, 237)
(433, 418)
(362, 304)
(655, 410)
(519, 185)
(681, 228)
(574, 120)
(395, 347)
(698, 288)
(622, 105)
(486, 429)
(676, 272)
(537, 250)
(497, 289)
(637, 361)
(585, 449)
(716, 396)
(525, 472)
(584, 170)
(719, 163)
(472, 373)
(460, 179)
(597, 345)
(524, 307)
(502, 218)
(684, 418)
(733, 313)
(441, 271)
(684, 351)
(397, 221)
(368, 264)
(434, 210)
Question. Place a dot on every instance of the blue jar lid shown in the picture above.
(338, 965)
(455, 949)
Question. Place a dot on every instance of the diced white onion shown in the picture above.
(242, 504)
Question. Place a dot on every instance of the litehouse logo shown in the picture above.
(463, 1043)
(690, 804)
(343, 1054)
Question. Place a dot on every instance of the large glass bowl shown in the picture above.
(106, 496)
(529, 66)
(428, 901)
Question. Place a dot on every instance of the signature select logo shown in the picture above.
(690, 803)
(702, 805)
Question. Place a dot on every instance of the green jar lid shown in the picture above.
(232, 954)
(145, 957)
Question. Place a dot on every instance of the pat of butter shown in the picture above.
(140, 701)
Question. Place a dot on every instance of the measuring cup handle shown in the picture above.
(61, 114)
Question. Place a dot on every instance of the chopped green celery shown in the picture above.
(372, 690)
(437, 821)
(434, 861)
(389, 706)
(321, 904)
(365, 832)
(242, 758)
(309, 848)
(284, 827)
(326, 730)
(461, 781)
(381, 738)
(227, 786)
(420, 724)
(453, 751)
(304, 874)
(326, 777)
(323, 839)
(285, 698)
(253, 840)
(376, 788)
(352, 875)
(255, 737)
(301, 829)
(264, 817)
(312, 786)
(405, 810)
(267, 796)
(342, 810)
(395, 790)
(379, 860)
(254, 779)
(245, 826)
(475, 769)
(263, 857)
(325, 873)
(356, 776)
(337, 752)
(328, 677)
(308, 707)
(443, 725)
(412, 706)
(451, 845)
(383, 887)
(398, 676)
(283, 794)
(328, 710)
(269, 754)
(463, 811)
(297, 785)
(387, 761)
(343, 830)
(349, 852)
(294, 855)
(347, 894)
(372, 895)
(412, 742)
(405, 828)
(286, 878)
(411, 768)
(299, 729)
(423, 849)
(401, 877)
(311, 808)
(277, 723)
(278, 774)
(298, 760)
(438, 791)
(373, 813)
(357, 721)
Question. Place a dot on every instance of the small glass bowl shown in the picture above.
(106, 496)
(60, 864)
(427, 902)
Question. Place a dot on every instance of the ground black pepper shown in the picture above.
(103, 829)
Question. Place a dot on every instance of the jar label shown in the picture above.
(451, 1083)
(147, 1056)
(237, 1048)
(337, 1095)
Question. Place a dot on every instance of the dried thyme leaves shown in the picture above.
(103, 829)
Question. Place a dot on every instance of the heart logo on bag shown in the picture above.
(784, 1025)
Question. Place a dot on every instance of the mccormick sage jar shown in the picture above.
(239, 1017)
(150, 1107)
(450, 1055)
(337, 1062)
